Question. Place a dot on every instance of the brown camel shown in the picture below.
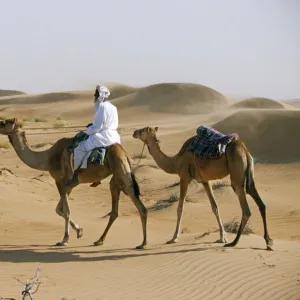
(237, 162)
(57, 161)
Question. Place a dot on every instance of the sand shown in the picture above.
(194, 268)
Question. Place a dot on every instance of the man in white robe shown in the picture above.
(102, 132)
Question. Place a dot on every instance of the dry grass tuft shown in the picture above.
(161, 204)
(233, 226)
(38, 119)
(59, 124)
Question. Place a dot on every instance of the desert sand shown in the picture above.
(195, 267)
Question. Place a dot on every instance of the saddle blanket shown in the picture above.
(95, 156)
(210, 143)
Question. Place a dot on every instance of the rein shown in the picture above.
(141, 154)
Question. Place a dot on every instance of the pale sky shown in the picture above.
(238, 47)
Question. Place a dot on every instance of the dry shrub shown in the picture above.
(38, 119)
(161, 204)
(233, 227)
(58, 124)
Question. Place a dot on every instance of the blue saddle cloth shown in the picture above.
(210, 143)
(97, 155)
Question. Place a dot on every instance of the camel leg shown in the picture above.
(115, 196)
(134, 196)
(262, 208)
(246, 213)
(183, 191)
(63, 210)
(215, 209)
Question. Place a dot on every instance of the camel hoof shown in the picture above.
(221, 241)
(173, 241)
(141, 247)
(80, 233)
(230, 245)
(98, 243)
(61, 244)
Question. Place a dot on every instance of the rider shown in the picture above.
(102, 132)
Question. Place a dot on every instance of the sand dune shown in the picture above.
(175, 98)
(271, 136)
(263, 103)
(4, 93)
(120, 90)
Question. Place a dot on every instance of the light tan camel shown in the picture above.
(56, 160)
(237, 162)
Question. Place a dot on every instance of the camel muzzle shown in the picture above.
(136, 134)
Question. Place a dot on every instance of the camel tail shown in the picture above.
(135, 186)
(249, 172)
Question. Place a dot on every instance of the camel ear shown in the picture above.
(156, 128)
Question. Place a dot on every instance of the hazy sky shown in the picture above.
(239, 47)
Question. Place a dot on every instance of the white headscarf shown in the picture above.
(104, 93)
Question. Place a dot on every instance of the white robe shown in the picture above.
(102, 133)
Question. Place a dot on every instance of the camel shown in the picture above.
(57, 160)
(237, 162)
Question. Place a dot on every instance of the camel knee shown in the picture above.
(58, 210)
(113, 215)
(246, 214)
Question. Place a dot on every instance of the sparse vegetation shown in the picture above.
(215, 185)
(38, 119)
(233, 226)
(59, 118)
(219, 184)
(26, 119)
(59, 124)
(161, 204)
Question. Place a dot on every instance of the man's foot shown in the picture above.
(94, 184)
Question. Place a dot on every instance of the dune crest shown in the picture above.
(5, 93)
(175, 98)
(259, 103)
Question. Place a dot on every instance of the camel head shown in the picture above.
(9, 126)
(145, 134)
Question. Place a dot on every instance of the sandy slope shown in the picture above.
(195, 268)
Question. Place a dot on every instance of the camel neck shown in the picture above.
(38, 160)
(166, 163)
